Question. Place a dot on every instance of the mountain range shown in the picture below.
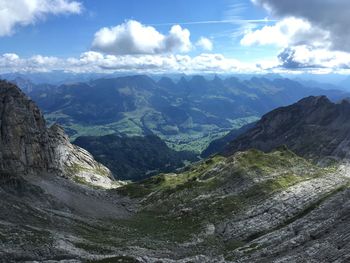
(269, 196)
(187, 114)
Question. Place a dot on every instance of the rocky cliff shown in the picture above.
(314, 127)
(28, 146)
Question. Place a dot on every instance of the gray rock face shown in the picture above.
(322, 235)
(314, 128)
(24, 139)
(28, 146)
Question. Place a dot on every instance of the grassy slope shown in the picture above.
(174, 212)
(177, 207)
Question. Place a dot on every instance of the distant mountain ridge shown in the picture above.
(187, 114)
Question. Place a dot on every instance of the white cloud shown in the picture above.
(95, 62)
(132, 37)
(155, 63)
(297, 59)
(25, 12)
(287, 32)
(10, 57)
(205, 44)
(313, 35)
(177, 40)
(330, 15)
(11, 62)
(304, 56)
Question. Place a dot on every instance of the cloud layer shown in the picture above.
(312, 34)
(329, 15)
(132, 37)
(25, 12)
(306, 57)
(99, 63)
(300, 58)
(287, 32)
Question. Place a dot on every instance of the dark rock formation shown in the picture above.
(28, 146)
(25, 141)
(314, 128)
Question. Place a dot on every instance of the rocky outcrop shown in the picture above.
(24, 140)
(28, 146)
(314, 128)
(72, 160)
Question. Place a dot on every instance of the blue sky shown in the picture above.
(242, 35)
(69, 35)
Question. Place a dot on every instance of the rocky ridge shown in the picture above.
(28, 146)
(314, 128)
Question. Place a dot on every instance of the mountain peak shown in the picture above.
(198, 78)
(315, 100)
(166, 82)
(344, 101)
(8, 88)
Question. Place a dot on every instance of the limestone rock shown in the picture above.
(28, 146)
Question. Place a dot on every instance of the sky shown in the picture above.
(182, 36)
